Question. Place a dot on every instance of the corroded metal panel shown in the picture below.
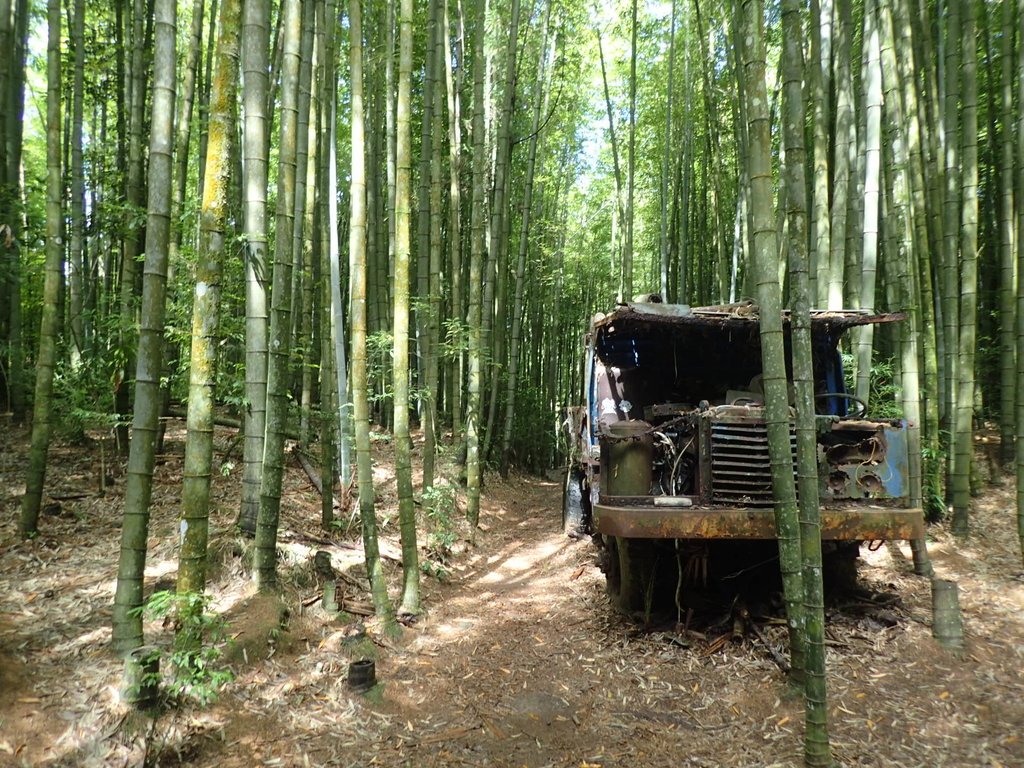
(853, 522)
(864, 460)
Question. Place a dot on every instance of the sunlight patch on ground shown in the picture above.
(90, 640)
(230, 596)
(300, 553)
(161, 569)
(521, 563)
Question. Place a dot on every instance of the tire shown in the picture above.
(629, 569)
(575, 505)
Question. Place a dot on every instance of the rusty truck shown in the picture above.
(670, 454)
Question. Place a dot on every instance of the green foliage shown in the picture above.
(932, 492)
(378, 367)
(537, 433)
(85, 393)
(197, 656)
(455, 332)
(884, 397)
(440, 506)
(988, 365)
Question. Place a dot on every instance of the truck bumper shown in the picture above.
(844, 523)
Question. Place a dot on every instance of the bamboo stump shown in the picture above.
(330, 599)
(141, 683)
(947, 624)
(922, 563)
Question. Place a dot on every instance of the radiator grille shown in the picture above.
(740, 466)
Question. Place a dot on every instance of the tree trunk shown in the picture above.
(183, 124)
(265, 560)
(540, 100)
(474, 315)
(302, 162)
(204, 96)
(845, 138)
(951, 229)
(666, 152)
(133, 199)
(1020, 287)
(7, 64)
(897, 160)
(816, 740)
(921, 248)
(357, 254)
(627, 252)
(255, 63)
(337, 325)
(179, 182)
(198, 470)
(430, 257)
(421, 313)
(47, 358)
(820, 80)
(963, 435)
(456, 374)
(308, 325)
(403, 445)
(1008, 268)
(14, 122)
(127, 629)
(769, 296)
(618, 208)
(495, 275)
(720, 274)
(76, 254)
(872, 175)
(383, 268)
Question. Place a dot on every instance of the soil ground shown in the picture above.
(518, 659)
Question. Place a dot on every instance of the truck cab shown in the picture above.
(670, 444)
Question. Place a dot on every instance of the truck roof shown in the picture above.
(742, 315)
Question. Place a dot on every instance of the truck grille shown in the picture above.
(740, 466)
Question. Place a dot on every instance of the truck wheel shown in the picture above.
(629, 569)
(575, 507)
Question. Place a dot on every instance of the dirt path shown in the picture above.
(519, 661)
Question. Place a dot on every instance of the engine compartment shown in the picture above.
(675, 412)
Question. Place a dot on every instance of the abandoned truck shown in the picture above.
(671, 469)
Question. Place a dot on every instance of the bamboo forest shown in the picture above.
(528, 383)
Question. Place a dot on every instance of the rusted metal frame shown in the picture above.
(846, 524)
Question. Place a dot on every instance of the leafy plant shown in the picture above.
(84, 390)
(439, 504)
(884, 396)
(933, 500)
(378, 373)
(198, 651)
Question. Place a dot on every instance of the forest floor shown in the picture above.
(518, 660)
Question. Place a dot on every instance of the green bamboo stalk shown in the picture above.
(127, 623)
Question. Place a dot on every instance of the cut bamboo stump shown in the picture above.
(947, 623)
(362, 675)
(330, 598)
(141, 683)
(922, 563)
